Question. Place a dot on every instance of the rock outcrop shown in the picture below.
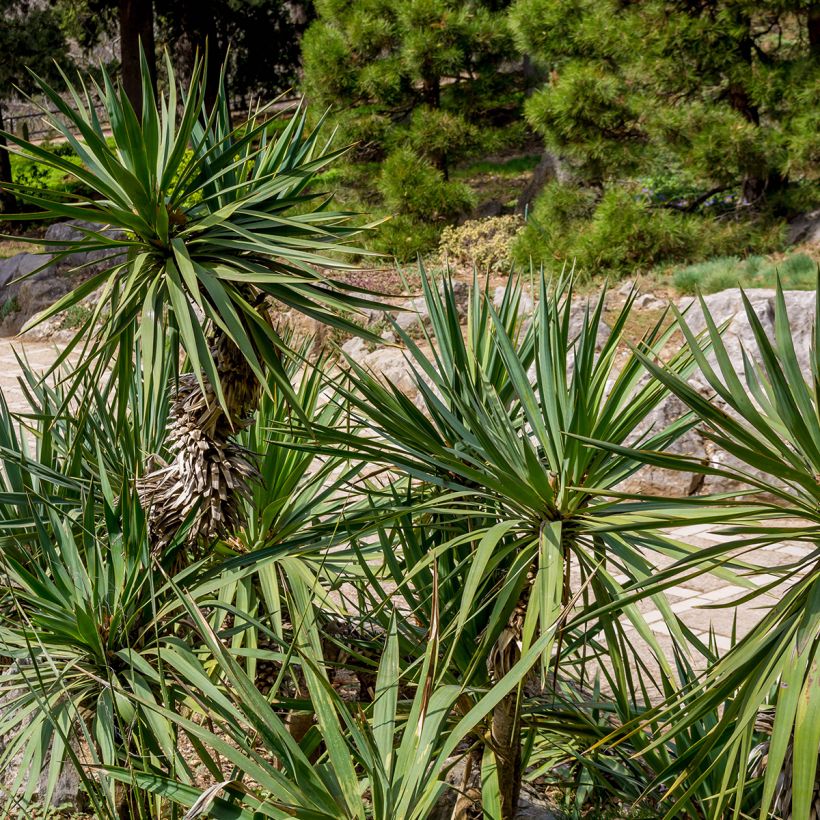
(47, 280)
(805, 229)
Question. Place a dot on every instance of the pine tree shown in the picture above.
(423, 83)
(724, 91)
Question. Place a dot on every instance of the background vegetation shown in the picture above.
(634, 138)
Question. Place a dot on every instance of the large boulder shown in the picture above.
(48, 279)
(656, 480)
(727, 305)
(22, 264)
(75, 230)
(414, 311)
(526, 305)
(390, 364)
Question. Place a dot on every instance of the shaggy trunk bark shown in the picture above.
(209, 473)
(782, 802)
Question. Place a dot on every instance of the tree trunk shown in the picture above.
(814, 29)
(506, 735)
(548, 169)
(198, 24)
(431, 90)
(216, 57)
(136, 27)
(209, 474)
(759, 183)
(759, 186)
(8, 201)
(506, 721)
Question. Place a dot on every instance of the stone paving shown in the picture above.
(707, 604)
(39, 355)
(694, 600)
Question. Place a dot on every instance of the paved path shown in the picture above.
(706, 603)
(692, 600)
(39, 355)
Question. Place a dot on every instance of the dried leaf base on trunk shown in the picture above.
(209, 474)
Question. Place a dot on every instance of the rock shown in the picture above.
(655, 480)
(390, 364)
(414, 311)
(33, 297)
(576, 321)
(24, 299)
(371, 316)
(71, 232)
(356, 348)
(648, 301)
(68, 791)
(533, 806)
(805, 229)
(46, 286)
(526, 305)
(738, 337)
(21, 264)
(461, 295)
(728, 305)
(726, 461)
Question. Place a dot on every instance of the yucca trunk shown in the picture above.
(506, 737)
(208, 474)
(505, 731)
(782, 802)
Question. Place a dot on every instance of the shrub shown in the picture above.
(483, 243)
(708, 277)
(441, 136)
(558, 213)
(798, 271)
(9, 306)
(406, 237)
(412, 186)
(626, 233)
(620, 232)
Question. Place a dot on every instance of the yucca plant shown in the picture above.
(508, 504)
(81, 621)
(386, 763)
(83, 611)
(292, 523)
(208, 225)
(766, 414)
